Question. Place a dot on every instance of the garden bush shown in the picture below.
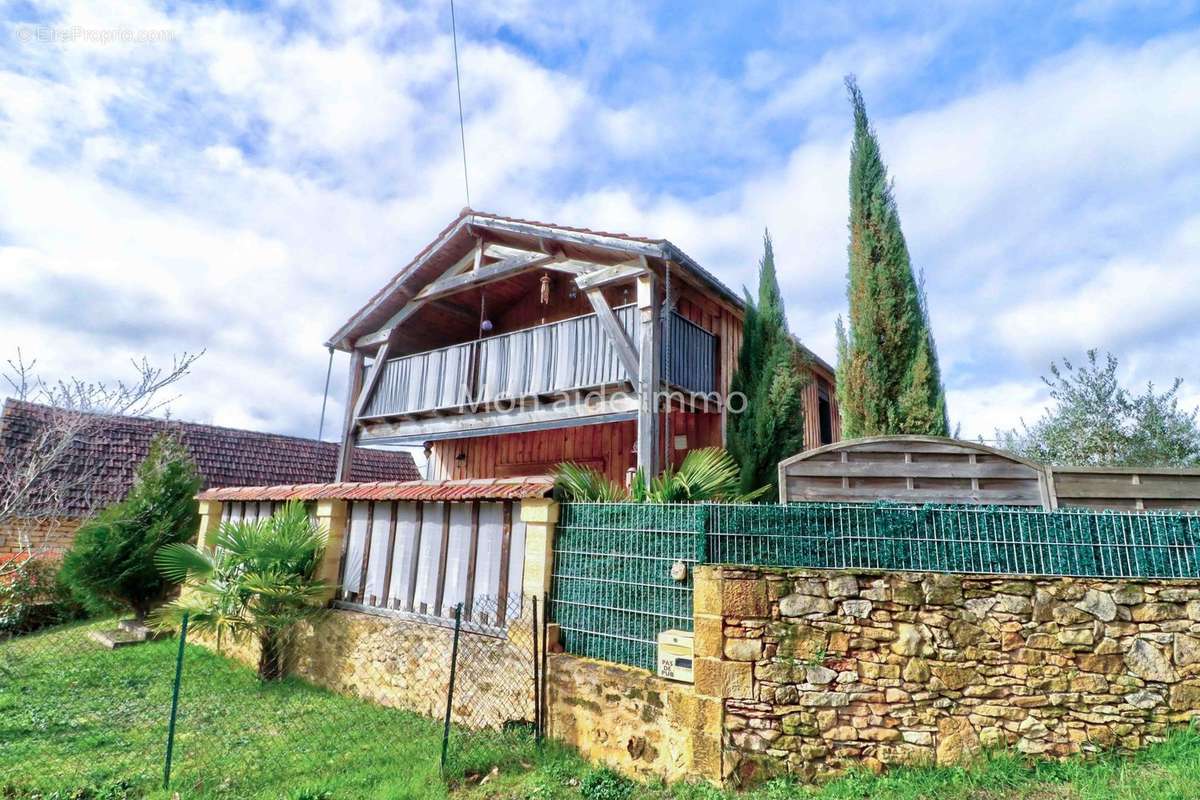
(32, 597)
(112, 558)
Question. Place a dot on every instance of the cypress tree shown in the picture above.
(771, 377)
(112, 558)
(888, 376)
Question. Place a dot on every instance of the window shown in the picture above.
(825, 413)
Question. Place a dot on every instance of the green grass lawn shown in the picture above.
(78, 722)
(86, 722)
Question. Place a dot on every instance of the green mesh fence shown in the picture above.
(613, 592)
(961, 539)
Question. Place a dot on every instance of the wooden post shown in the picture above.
(648, 376)
(353, 389)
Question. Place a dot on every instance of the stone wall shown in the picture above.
(632, 720)
(19, 535)
(820, 671)
(404, 663)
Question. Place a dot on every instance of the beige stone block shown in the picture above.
(724, 679)
(1185, 696)
(956, 740)
(706, 591)
(1187, 650)
(742, 597)
(1149, 662)
(1156, 612)
(709, 636)
(539, 510)
(743, 649)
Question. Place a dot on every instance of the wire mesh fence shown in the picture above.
(362, 711)
(613, 590)
(960, 539)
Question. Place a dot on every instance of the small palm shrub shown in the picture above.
(708, 475)
(259, 582)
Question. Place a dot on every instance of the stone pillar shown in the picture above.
(540, 516)
(210, 520)
(332, 517)
(718, 679)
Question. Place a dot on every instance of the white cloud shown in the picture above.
(246, 186)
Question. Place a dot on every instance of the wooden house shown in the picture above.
(508, 346)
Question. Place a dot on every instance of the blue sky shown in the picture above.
(240, 177)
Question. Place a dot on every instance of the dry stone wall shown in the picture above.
(405, 663)
(822, 670)
(632, 720)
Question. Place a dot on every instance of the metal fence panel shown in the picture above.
(613, 590)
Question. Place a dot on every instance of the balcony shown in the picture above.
(558, 358)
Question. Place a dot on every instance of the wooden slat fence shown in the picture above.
(920, 469)
(425, 558)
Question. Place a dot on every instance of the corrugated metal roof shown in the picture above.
(460, 490)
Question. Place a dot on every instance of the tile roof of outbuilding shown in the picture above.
(430, 491)
(115, 445)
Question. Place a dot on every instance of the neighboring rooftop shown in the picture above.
(115, 445)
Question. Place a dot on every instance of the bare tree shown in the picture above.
(40, 483)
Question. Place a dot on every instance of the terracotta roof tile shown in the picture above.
(225, 456)
(430, 491)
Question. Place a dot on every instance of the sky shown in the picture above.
(241, 177)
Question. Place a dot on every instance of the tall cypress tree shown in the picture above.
(771, 378)
(888, 376)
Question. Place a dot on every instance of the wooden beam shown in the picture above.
(366, 559)
(505, 553)
(608, 275)
(616, 334)
(487, 422)
(648, 375)
(443, 555)
(472, 555)
(391, 553)
(383, 334)
(484, 275)
(353, 387)
(415, 563)
(376, 370)
(395, 285)
(414, 304)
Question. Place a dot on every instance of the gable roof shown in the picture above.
(114, 446)
(458, 237)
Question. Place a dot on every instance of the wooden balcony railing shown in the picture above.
(570, 355)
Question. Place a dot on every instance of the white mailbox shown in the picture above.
(675, 653)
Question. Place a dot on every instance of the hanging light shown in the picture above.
(485, 324)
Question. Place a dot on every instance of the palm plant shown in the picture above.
(706, 475)
(258, 582)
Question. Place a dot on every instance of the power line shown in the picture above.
(462, 127)
(325, 399)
